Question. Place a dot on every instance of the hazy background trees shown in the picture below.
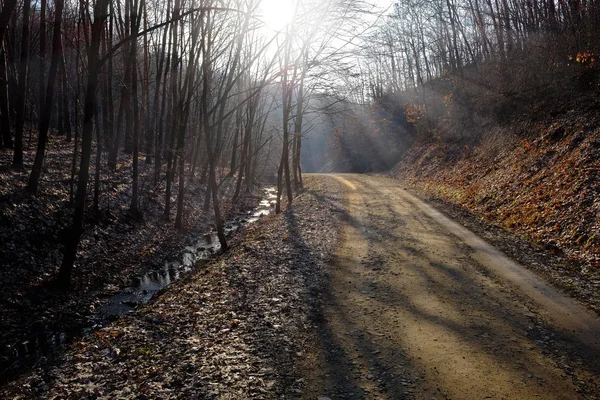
(457, 69)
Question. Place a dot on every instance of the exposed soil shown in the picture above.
(422, 308)
(539, 179)
(535, 182)
(573, 276)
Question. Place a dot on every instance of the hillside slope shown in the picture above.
(538, 179)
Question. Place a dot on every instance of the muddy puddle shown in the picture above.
(141, 290)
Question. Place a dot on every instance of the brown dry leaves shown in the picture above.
(544, 188)
(239, 328)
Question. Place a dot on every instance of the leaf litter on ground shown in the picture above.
(240, 327)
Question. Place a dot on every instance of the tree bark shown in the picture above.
(173, 114)
(72, 241)
(134, 208)
(46, 115)
(6, 13)
(66, 116)
(208, 134)
(22, 91)
(4, 105)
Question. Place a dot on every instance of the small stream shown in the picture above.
(141, 290)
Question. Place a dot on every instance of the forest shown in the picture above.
(131, 128)
(460, 70)
(193, 90)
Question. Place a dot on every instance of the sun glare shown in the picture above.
(277, 13)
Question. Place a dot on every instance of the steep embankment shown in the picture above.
(540, 180)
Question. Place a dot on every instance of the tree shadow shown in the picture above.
(519, 336)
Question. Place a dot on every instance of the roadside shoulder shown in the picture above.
(574, 277)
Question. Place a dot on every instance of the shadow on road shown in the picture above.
(408, 313)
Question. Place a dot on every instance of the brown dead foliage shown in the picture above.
(113, 249)
(241, 327)
(540, 180)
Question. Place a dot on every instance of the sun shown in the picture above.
(277, 13)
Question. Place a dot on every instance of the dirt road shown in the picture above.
(422, 308)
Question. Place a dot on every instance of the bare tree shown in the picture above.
(46, 114)
(74, 235)
(22, 90)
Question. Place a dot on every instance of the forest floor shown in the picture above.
(536, 182)
(357, 291)
(115, 248)
(240, 327)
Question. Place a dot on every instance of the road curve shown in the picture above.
(420, 307)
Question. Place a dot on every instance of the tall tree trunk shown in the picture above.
(60, 95)
(186, 99)
(173, 114)
(22, 91)
(156, 123)
(8, 7)
(298, 130)
(4, 105)
(105, 88)
(98, 163)
(284, 167)
(285, 105)
(72, 241)
(160, 124)
(110, 133)
(208, 134)
(66, 116)
(135, 27)
(149, 133)
(36, 171)
(42, 60)
(125, 102)
(128, 142)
